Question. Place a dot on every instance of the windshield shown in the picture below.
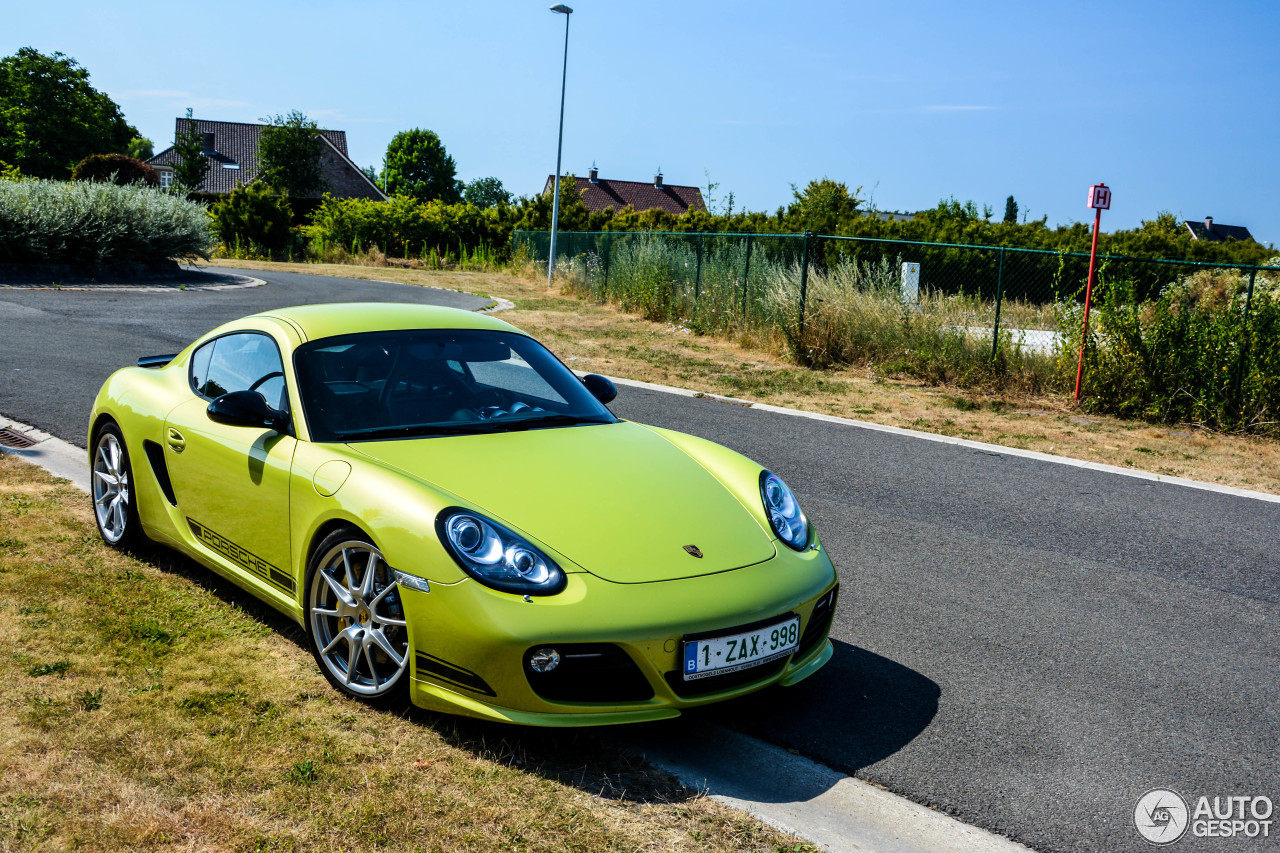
(421, 382)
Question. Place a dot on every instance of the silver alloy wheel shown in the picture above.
(356, 620)
(110, 488)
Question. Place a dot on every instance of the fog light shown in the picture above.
(544, 660)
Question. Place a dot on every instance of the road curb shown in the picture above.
(56, 456)
(839, 813)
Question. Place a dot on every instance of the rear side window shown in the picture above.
(241, 362)
(200, 366)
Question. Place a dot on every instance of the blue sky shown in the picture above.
(1173, 104)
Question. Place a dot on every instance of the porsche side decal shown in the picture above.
(240, 556)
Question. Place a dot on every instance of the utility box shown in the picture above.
(910, 283)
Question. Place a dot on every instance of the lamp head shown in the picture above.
(562, 9)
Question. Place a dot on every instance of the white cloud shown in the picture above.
(155, 93)
(197, 103)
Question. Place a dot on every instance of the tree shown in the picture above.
(1011, 211)
(289, 155)
(117, 168)
(255, 216)
(140, 148)
(824, 206)
(485, 193)
(51, 118)
(418, 166)
(192, 166)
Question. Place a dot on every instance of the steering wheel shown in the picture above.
(272, 375)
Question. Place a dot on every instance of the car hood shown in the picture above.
(617, 499)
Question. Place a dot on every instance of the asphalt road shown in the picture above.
(1028, 646)
(58, 346)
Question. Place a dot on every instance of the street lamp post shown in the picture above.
(555, 199)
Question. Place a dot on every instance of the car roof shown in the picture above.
(344, 318)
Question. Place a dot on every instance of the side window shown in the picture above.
(243, 362)
(200, 366)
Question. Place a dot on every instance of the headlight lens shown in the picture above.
(496, 556)
(785, 516)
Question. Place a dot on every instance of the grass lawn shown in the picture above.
(148, 705)
(604, 339)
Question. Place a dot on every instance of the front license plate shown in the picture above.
(735, 652)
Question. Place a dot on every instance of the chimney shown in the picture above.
(1208, 223)
(657, 179)
(208, 144)
(594, 174)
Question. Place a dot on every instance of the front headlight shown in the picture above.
(785, 516)
(496, 556)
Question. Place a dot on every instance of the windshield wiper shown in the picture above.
(421, 430)
(470, 428)
(549, 421)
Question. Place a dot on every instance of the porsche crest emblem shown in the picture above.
(694, 551)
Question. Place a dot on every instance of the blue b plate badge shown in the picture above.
(736, 652)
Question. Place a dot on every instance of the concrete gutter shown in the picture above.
(52, 454)
(827, 808)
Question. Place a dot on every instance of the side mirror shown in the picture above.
(247, 409)
(600, 387)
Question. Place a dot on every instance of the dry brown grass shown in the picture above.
(150, 706)
(602, 338)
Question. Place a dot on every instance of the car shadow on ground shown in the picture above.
(861, 706)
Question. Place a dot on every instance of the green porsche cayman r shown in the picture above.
(455, 517)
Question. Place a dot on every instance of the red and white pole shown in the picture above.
(1099, 200)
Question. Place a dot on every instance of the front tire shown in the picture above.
(114, 508)
(355, 623)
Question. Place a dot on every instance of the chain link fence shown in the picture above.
(953, 313)
(719, 281)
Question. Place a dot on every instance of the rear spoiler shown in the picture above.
(156, 360)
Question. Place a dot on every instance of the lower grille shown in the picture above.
(589, 672)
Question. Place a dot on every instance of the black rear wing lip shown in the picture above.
(154, 361)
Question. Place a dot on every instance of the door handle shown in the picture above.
(176, 442)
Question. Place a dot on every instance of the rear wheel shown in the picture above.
(112, 490)
(355, 621)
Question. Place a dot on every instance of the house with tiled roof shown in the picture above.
(231, 148)
(1214, 233)
(598, 193)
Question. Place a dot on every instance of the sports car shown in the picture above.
(456, 518)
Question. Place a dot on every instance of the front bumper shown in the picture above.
(470, 642)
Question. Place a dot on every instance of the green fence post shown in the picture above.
(804, 284)
(697, 273)
(607, 254)
(746, 277)
(995, 332)
(1244, 337)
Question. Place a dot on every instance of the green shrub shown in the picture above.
(77, 222)
(405, 227)
(117, 168)
(252, 218)
(1180, 358)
